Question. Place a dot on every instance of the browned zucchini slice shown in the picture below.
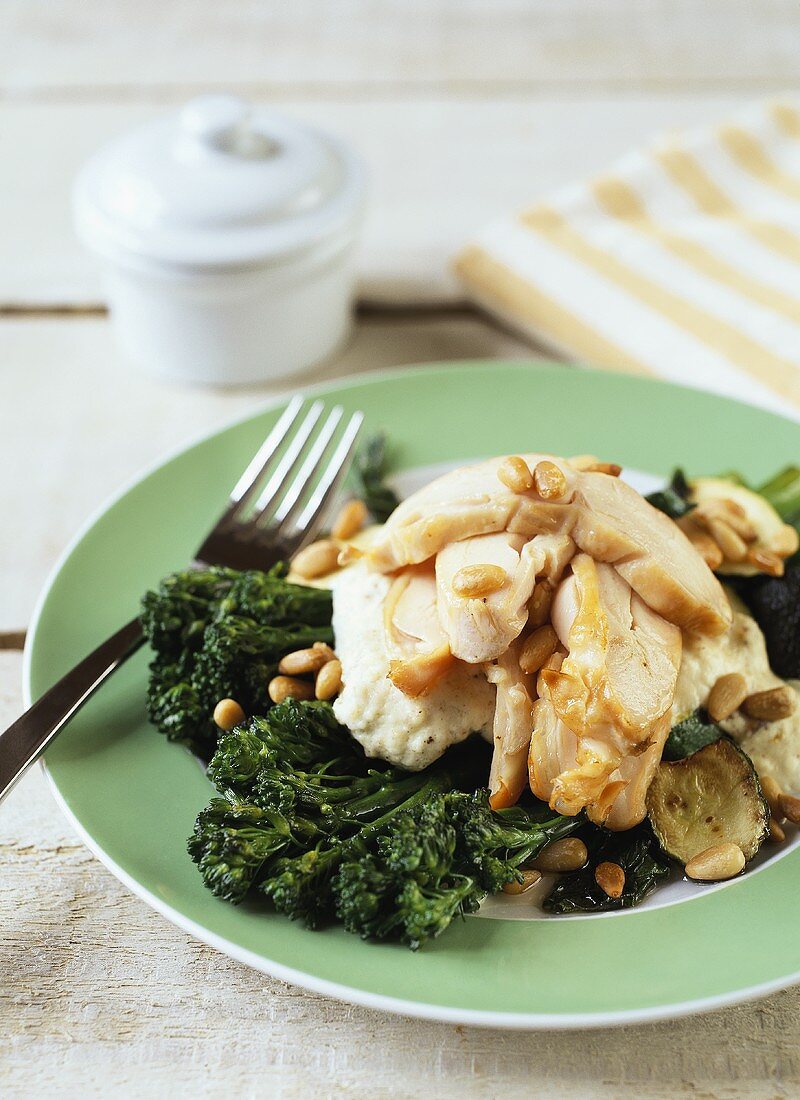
(710, 797)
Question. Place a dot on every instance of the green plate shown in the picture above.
(133, 797)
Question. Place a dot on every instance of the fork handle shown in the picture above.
(27, 738)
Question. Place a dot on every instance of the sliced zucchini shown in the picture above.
(767, 525)
(710, 797)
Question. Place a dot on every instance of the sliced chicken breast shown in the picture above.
(606, 517)
(418, 648)
(471, 500)
(612, 692)
(614, 523)
(513, 724)
(481, 628)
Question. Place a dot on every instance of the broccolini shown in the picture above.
(220, 633)
(305, 820)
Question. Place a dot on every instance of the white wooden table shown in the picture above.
(462, 110)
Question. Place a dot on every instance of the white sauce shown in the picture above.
(411, 733)
(774, 747)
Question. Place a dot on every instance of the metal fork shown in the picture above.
(276, 507)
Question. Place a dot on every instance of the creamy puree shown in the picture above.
(774, 747)
(411, 733)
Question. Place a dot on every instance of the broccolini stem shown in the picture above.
(783, 491)
(419, 789)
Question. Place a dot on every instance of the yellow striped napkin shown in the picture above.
(683, 261)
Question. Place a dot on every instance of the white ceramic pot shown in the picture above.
(227, 239)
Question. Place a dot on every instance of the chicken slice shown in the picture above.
(616, 524)
(511, 732)
(553, 748)
(471, 500)
(606, 517)
(390, 725)
(612, 693)
(626, 806)
(418, 648)
(481, 629)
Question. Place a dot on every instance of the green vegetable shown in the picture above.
(774, 602)
(635, 850)
(233, 840)
(368, 478)
(783, 493)
(437, 862)
(711, 797)
(219, 633)
(673, 499)
(305, 820)
(690, 735)
(498, 843)
(408, 885)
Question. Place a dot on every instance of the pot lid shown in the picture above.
(217, 183)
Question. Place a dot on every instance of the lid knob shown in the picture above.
(221, 122)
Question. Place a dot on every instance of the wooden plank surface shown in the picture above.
(80, 413)
(100, 996)
(57, 46)
(440, 169)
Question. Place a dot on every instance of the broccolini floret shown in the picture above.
(308, 822)
(220, 633)
(233, 841)
(498, 842)
(411, 884)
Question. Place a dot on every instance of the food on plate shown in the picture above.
(711, 797)
(526, 677)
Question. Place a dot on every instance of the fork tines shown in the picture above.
(281, 500)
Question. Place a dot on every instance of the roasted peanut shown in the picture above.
(785, 541)
(790, 808)
(302, 661)
(351, 519)
(287, 687)
(476, 581)
(538, 648)
(726, 696)
(773, 795)
(705, 546)
(583, 462)
(227, 714)
(549, 480)
(348, 554)
(323, 647)
(529, 879)
(717, 863)
(329, 680)
(592, 464)
(732, 545)
(610, 468)
(515, 474)
(610, 877)
(316, 560)
(771, 705)
(568, 854)
(539, 604)
(766, 561)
